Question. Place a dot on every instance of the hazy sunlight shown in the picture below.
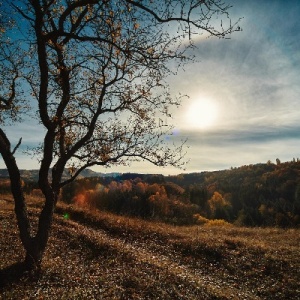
(201, 113)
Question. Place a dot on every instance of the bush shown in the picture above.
(218, 222)
(200, 220)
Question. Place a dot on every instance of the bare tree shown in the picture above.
(94, 70)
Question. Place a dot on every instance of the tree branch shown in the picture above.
(187, 20)
(17, 146)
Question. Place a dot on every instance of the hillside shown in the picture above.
(251, 195)
(93, 255)
(33, 175)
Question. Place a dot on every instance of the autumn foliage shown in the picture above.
(254, 195)
(133, 197)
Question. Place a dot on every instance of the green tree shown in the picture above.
(95, 72)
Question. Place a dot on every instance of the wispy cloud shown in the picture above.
(254, 78)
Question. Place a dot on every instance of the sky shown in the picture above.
(244, 95)
(253, 81)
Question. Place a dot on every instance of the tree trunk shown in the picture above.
(34, 255)
(16, 189)
(39, 242)
(34, 246)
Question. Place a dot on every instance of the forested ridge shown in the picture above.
(261, 194)
(251, 195)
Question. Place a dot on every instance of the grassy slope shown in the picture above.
(103, 256)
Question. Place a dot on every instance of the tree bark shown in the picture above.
(38, 243)
(34, 255)
(34, 246)
(16, 189)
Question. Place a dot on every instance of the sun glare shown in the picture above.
(201, 113)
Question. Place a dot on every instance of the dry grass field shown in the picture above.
(96, 255)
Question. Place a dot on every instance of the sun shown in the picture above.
(201, 113)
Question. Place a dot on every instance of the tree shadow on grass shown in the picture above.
(14, 273)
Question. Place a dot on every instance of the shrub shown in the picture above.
(200, 220)
(217, 222)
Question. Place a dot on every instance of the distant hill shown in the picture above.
(32, 175)
(251, 195)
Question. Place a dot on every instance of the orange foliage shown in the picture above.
(126, 186)
(80, 200)
(217, 201)
(156, 189)
(141, 188)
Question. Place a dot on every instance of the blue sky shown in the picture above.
(253, 80)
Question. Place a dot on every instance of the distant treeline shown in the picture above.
(251, 195)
